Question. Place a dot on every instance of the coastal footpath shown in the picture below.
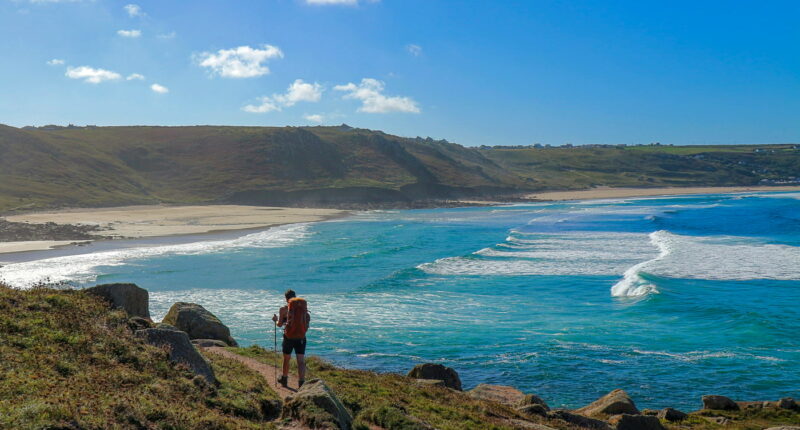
(93, 358)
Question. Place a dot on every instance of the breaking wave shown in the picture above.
(81, 268)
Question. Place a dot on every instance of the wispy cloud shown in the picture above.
(92, 75)
(55, 62)
(298, 91)
(129, 33)
(370, 92)
(170, 35)
(134, 77)
(414, 50)
(241, 62)
(159, 89)
(133, 10)
(317, 118)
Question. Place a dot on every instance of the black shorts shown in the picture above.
(298, 345)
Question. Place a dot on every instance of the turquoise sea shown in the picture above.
(668, 298)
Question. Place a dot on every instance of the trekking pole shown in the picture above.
(275, 351)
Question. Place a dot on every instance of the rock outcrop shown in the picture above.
(181, 351)
(636, 422)
(531, 410)
(198, 323)
(719, 403)
(578, 420)
(532, 399)
(672, 415)
(134, 300)
(787, 403)
(437, 371)
(316, 406)
(613, 403)
(498, 393)
(207, 343)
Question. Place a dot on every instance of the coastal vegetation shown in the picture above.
(52, 167)
(71, 360)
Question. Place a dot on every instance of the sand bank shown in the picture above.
(152, 221)
(611, 193)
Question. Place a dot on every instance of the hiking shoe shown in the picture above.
(300, 383)
(284, 381)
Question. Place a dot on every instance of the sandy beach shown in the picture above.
(151, 221)
(611, 193)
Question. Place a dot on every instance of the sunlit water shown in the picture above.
(667, 298)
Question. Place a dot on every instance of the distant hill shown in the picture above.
(333, 166)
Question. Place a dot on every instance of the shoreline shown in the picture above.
(163, 221)
(612, 193)
(153, 222)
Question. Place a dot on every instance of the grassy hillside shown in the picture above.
(329, 166)
(649, 166)
(68, 361)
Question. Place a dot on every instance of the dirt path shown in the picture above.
(266, 370)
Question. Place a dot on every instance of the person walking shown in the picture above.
(295, 319)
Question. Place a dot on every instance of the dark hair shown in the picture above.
(290, 294)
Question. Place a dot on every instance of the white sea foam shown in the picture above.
(631, 255)
(81, 267)
(714, 257)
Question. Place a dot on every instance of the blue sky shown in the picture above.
(474, 72)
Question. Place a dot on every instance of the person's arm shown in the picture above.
(283, 316)
(308, 319)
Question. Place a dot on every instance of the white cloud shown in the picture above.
(133, 10)
(241, 62)
(159, 88)
(298, 91)
(91, 75)
(370, 92)
(55, 62)
(317, 118)
(134, 77)
(414, 50)
(129, 33)
(170, 35)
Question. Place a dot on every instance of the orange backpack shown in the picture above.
(297, 319)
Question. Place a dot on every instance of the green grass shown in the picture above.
(67, 360)
(108, 166)
(395, 402)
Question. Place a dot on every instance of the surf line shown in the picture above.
(632, 284)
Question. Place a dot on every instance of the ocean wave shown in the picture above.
(725, 258)
(81, 268)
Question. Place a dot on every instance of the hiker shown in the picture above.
(294, 318)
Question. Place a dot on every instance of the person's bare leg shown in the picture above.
(301, 366)
(286, 359)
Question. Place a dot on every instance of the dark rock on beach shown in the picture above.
(316, 406)
(613, 403)
(22, 231)
(180, 350)
(198, 323)
(719, 403)
(437, 371)
(131, 298)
